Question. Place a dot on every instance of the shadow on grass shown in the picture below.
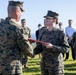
(70, 67)
(31, 70)
(35, 63)
(70, 73)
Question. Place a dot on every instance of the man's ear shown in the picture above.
(17, 12)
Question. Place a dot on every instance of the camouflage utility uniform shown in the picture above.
(26, 31)
(12, 44)
(52, 59)
(27, 34)
(41, 31)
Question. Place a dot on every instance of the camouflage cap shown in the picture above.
(17, 3)
(51, 14)
(23, 20)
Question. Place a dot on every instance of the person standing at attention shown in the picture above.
(27, 34)
(37, 34)
(60, 26)
(69, 30)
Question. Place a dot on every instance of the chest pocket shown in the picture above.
(51, 37)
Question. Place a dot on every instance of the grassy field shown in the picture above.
(34, 66)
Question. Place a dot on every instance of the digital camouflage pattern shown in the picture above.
(41, 31)
(27, 34)
(39, 46)
(26, 31)
(12, 43)
(52, 59)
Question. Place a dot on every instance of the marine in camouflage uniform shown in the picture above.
(52, 62)
(27, 34)
(25, 30)
(12, 43)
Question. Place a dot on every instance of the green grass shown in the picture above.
(34, 66)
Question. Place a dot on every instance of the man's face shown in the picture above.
(23, 24)
(70, 22)
(60, 24)
(48, 21)
(39, 27)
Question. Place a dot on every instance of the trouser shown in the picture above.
(63, 55)
(11, 74)
(73, 53)
(0, 73)
(46, 72)
(67, 55)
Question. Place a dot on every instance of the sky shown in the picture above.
(36, 9)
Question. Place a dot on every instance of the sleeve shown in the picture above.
(21, 30)
(38, 49)
(64, 46)
(23, 44)
(37, 32)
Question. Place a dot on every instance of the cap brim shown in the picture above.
(22, 10)
(47, 17)
(23, 21)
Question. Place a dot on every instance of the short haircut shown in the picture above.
(70, 20)
(60, 23)
(39, 25)
(12, 8)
